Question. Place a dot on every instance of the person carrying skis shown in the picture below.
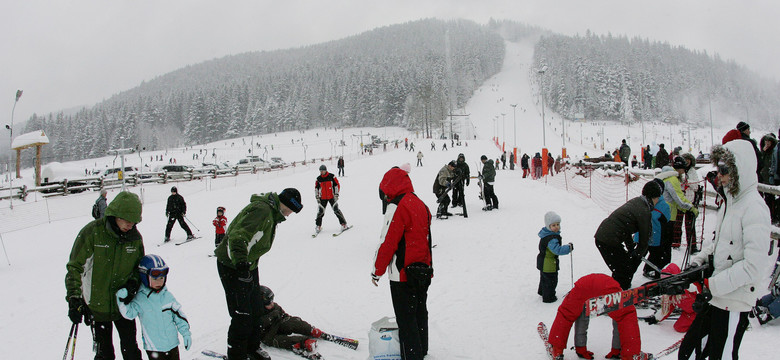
(284, 331)
(220, 222)
(488, 179)
(176, 210)
(550, 248)
(441, 185)
(326, 191)
(249, 236)
(103, 258)
(462, 175)
(162, 319)
(405, 253)
(626, 340)
(737, 256)
(614, 236)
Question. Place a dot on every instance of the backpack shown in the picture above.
(96, 210)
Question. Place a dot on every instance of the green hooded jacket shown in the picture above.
(251, 233)
(103, 258)
(489, 171)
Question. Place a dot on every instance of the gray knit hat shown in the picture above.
(551, 218)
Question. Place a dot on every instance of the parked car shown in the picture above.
(113, 173)
(253, 162)
(278, 163)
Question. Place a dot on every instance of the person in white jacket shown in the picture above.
(738, 256)
(161, 316)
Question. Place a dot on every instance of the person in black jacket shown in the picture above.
(175, 211)
(648, 158)
(661, 157)
(614, 237)
(524, 165)
(462, 175)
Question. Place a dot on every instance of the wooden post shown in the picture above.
(37, 165)
(18, 163)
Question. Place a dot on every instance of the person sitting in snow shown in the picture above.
(547, 261)
(768, 307)
(283, 331)
(162, 319)
(626, 343)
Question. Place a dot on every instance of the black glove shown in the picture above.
(635, 256)
(703, 272)
(77, 308)
(468, 181)
(651, 320)
(571, 247)
(243, 271)
(131, 286)
(702, 300)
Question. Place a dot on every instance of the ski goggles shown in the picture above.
(158, 273)
(723, 169)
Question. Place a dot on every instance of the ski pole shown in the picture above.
(653, 266)
(571, 262)
(67, 344)
(73, 349)
(193, 225)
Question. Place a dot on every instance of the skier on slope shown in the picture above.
(626, 340)
(441, 185)
(462, 175)
(249, 236)
(175, 211)
(326, 190)
(220, 223)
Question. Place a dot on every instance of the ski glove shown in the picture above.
(571, 247)
(695, 211)
(243, 271)
(131, 288)
(374, 279)
(702, 300)
(77, 308)
(187, 341)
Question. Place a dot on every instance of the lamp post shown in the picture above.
(514, 121)
(541, 90)
(10, 155)
(503, 131)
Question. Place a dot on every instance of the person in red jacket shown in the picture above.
(326, 190)
(571, 310)
(405, 253)
(220, 223)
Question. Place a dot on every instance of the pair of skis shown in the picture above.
(341, 231)
(346, 342)
(182, 242)
(545, 336)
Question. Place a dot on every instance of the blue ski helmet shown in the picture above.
(154, 266)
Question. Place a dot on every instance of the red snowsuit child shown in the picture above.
(571, 308)
(220, 222)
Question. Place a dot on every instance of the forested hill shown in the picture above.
(614, 78)
(403, 74)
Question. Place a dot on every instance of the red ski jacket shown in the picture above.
(406, 232)
(327, 187)
(587, 287)
(220, 222)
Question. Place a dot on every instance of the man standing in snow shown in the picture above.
(488, 178)
(405, 253)
(175, 211)
(104, 256)
(101, 203)
(326, 190)
(614, 237)
(441, 186)
(738, 256)
(248, 237)
(462, 175)
(625, 152)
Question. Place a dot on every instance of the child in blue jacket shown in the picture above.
(161, 316)
(660, 245)
(547, 261)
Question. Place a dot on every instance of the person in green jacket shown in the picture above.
(103, 260)
(249, 236)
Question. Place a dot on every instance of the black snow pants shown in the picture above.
(171, 220)
(321, 212)
(103, 335)
(411, 313)
(245, 307)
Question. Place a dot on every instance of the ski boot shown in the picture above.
(259, 354)
(190, 237)
(167, 239)
(487, 208)
(614, 354)
(643, 356)
(583, 353)
(307, 349)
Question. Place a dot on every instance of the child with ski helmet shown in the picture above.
(162, 318)
(220, 223)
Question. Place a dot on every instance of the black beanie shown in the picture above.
(742, 126)
(291, 198)
(483, 157)
(679, 163)
(651, 190)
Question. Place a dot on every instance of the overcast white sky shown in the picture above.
(79, 52)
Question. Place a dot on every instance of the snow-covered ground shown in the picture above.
(482, 303)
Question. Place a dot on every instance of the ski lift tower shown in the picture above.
(121, 153)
